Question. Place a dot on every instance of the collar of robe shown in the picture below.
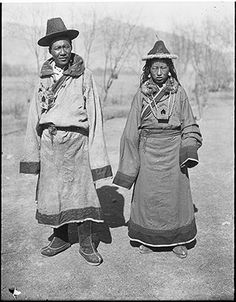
(75, 68)
(149, 88)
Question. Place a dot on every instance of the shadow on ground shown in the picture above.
(112, 204)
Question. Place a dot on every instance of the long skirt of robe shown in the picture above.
(66, 192)
(162, 212)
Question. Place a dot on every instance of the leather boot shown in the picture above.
(59, 243)
(87, 246)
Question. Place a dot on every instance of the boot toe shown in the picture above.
(50, 251)
(145, 250)
(180, 251)
(93, 259)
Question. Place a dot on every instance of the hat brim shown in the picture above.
(46, 40)
(160, 56)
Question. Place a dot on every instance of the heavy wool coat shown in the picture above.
(158, 145)
(65, 145)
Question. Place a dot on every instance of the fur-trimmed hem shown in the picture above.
(75, 221)
(70, 216)
(184, 234)
(163, 245)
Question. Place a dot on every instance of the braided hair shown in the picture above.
(146, 69)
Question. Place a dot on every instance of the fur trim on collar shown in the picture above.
(150, 87)
(75, 69)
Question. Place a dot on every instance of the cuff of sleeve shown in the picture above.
(124, 180)
(29, 167)
(101, 173)
(188, 156)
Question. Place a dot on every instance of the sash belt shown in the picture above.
(53, 129)
(148, 132)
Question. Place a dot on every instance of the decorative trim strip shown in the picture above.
(189, 163)
(77, 221)
(188, 153)
(101, 173)
(124, 180)
(163, 245)
(162, 237)
(69, 216)
(29, 167)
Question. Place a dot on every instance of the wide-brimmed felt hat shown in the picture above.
(56, 28)
(159, 51)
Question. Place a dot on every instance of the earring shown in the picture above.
(169, 74)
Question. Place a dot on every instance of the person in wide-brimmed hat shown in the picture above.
(55, 29)
(65, 145)
(158, 146)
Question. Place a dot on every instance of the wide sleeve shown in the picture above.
(30, 161)
(129, 162)
(98, 157)
(191, 138)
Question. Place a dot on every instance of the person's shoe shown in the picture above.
(55, 247)
(144, 249)
(180, 251)
(93, 259)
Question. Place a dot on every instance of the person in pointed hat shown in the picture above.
(65, 145)
(158, 146)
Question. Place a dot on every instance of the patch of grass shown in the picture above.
(16, 93)
(16, 110)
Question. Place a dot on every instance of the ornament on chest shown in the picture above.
(162, 112)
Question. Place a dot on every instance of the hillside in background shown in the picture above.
(201, 66)
(18, 48)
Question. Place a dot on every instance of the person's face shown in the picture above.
(159, 71)
(61, 52)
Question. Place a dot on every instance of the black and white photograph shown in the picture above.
(117, 150)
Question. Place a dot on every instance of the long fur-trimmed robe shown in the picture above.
(155, 155)
(68, 163)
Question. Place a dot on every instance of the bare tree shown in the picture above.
(181, 46)
(31, 34)
(118, 41)
(89, 34)
(203, 53)
(143, 38)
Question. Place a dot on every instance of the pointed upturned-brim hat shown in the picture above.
(56, 28)
(159, 51)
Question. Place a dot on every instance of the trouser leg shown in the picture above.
(61, 232)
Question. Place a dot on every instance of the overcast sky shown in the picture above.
(159, 15)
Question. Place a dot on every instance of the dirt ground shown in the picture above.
(206, 274)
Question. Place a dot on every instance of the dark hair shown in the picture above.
(59, 38)
(148, 64)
